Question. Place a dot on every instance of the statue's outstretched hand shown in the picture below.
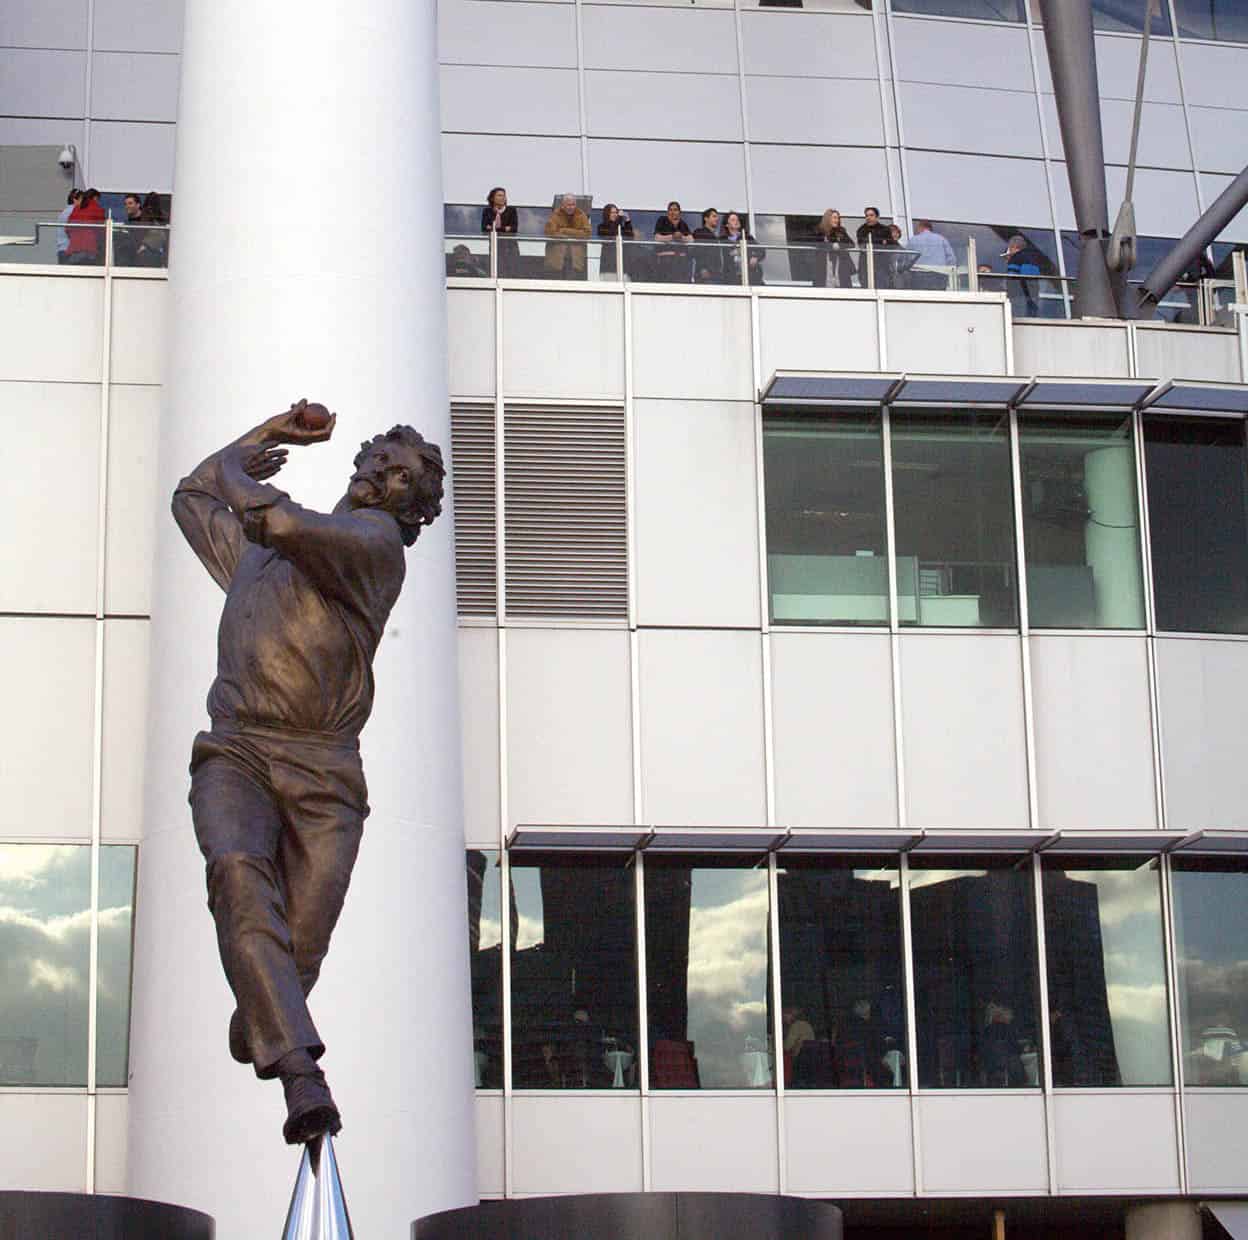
(301, 424)
(262, 463)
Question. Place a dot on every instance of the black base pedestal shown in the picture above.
(82, 1216)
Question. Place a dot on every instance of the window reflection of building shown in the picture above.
(485, 965)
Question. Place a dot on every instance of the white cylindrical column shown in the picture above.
(1111, 538)
(1164, 1220)
(306, 261)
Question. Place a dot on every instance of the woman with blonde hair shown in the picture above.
(833, 266)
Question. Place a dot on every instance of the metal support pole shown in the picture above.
(870, 262)
(493, 234)
(972, 265)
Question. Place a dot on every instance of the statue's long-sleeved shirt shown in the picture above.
(307, 598)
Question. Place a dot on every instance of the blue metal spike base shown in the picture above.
(318, 1209)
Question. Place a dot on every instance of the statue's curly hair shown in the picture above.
(427, 504)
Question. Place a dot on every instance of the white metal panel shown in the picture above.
(571, 1143)
(653, 173)
(41, 82)
(39, 131)
(506, 32)
(853, 1146)
(48, 554)
(800, 178)
(1116, 1142)
(961, 118)
(138, 25)
(1211, 185)
(808, 44)
(662, 40)
(1094, 749)
(140, 315)
(1117, 67)
(133, 507)
(814, 110)
(701, 728)
(1165, 201)
(52, 329)
(809, 334)
(44, 1143)
(563, 344)
(832, 706)
(124, 732)
(569, 726)
(696, 513)
(1071, 349)
(47, 666)
(478, 734)
(693, 348)
(490, 1144)
(470, 341)
(713, 1145)
(990, 56)
(1216, 1130)
(134, 86)
(1213, 74)
(1220, 138)
(51, 23)
(111, 1142)
(531, 169)
(1202, 687)
(492, 99)
(978, 187)
(693, 106)
(962, 711)
(1163, 134)
(127, 155)
(1188, 353)
(945, 339)
(983, 1143)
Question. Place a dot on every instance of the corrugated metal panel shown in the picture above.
(566, 519)
(472, 480)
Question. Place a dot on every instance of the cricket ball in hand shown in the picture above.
(313, 417)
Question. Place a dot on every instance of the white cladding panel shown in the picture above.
(701, 728)
(569, 726)
(1213, 75)
(1116, 1142)
(41, 82)
(493, 99)
(664, 40)
(53, 328)
(696, 348)
(48, 555)
(132, 154)
(51, 1153)
(1211, 185)
(134, 86)
(784, 43)
(1188, 353)
(133, 505)
(1165, 201)
(490, 1176)
(812, 178)
(849, 1145)
(1094, 751)
(1163, 133)
(653, 173)
(111, 1145)
(713, 1145)
(532, 169)
(124, 728)
(944, 186)
(977, 1143)
(575, 1143)
(692, 106)
(696, 513)
(987, 57)
(949, 339)
(562, 344)
(832, 711)
(506, 32)
(138, 25)
(814, 110)
(470, 341)
(1074, 349)
(51, 23)
(1117, 68)
(1220, 138)
(824, 334)
(479, 739)
(47, 667)
(1216, 1131)
(140, 313)
(963, 118)
(962, 711)
(1202, 687)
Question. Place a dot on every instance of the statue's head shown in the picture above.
(402, 473)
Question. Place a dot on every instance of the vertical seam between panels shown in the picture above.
(912, 1035)
(1024, 624)
(777, 1023)
(1046, 1059)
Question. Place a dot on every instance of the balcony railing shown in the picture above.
(90, 245)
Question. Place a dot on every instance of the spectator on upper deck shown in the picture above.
(1022, 259)
(708, 255)
(733, 233)
(615, 223)
(565, 259)
(498, 217)
(126, 236)
(671, 255)
(834, 268)
(86, 244)
(153, 247)
(932, 259)
(872, 229)
(62, 233)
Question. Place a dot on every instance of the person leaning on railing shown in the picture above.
(565, 259)
(62, 233)
(498, 217)
(708, 254)
(614, 223)
(87, 240)
(834, 268)
(733, 232)
(153, 247)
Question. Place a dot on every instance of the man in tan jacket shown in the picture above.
(565, 260)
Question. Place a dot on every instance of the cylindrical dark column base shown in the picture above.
(38, 1216)
(638, 1216)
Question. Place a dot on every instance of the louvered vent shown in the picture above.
(476, 549)
(567, 545)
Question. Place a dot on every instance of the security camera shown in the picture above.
(66, 158)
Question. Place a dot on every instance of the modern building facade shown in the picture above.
(850, 680)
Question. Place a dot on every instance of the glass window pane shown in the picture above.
(954, 506)
(573, 973)
(1127, 16)
(45, 905)
(1211, 948)
(708, 993)
(1213, 19)
(112, 1013)
(1196, 519)
(841, 975)
(1080, 522)
(826, 543)
(975, 994)
(985, 10)
(1107, 973)
(485, 960)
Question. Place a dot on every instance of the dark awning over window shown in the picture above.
(715, 839)
(1085, 394)
(1211, 843)
(855, 840)
(1101, 842)
(579, 839)
(828, 389)
(940, 391)
(1212, 400)
(1233, 1215)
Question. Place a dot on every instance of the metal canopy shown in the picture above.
(1214, 400)
(953, 841)
(1212, 843)
(583, 839)
(715, 839)
(1102, 842)
(1233, 1215)
(851, 840)
(941, 390)
(1080, 394)
(844, 389)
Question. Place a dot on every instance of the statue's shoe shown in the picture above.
(239, 1049)
(310, 1109)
